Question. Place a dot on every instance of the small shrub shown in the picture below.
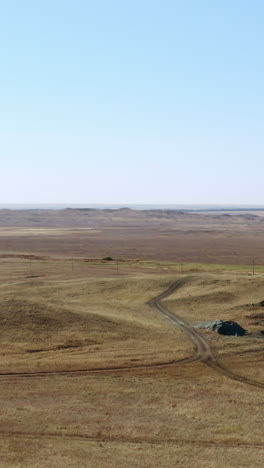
(109, 259)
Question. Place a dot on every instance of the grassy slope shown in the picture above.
(91, 318)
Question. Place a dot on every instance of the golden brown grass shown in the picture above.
(90, 379)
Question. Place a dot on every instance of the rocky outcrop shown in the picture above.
(223, 327)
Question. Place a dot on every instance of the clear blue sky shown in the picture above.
(139, 101)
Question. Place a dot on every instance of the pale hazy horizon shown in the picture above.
(186, 207)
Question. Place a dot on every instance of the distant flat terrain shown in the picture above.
(216, 237)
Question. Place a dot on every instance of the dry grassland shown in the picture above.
(89, 373)
(227, 238)
(92, 377)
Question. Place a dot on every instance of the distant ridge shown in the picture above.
(141, 207)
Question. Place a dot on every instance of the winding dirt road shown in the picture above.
(203, 350)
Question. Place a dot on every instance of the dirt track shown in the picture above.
(203, 351)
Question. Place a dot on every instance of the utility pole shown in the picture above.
(30, 268)
(253, 267)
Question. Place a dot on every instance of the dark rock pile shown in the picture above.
(223, 327)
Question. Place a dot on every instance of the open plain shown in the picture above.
(231, 238)
(100, 364)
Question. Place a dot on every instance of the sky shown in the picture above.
(136, 101)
